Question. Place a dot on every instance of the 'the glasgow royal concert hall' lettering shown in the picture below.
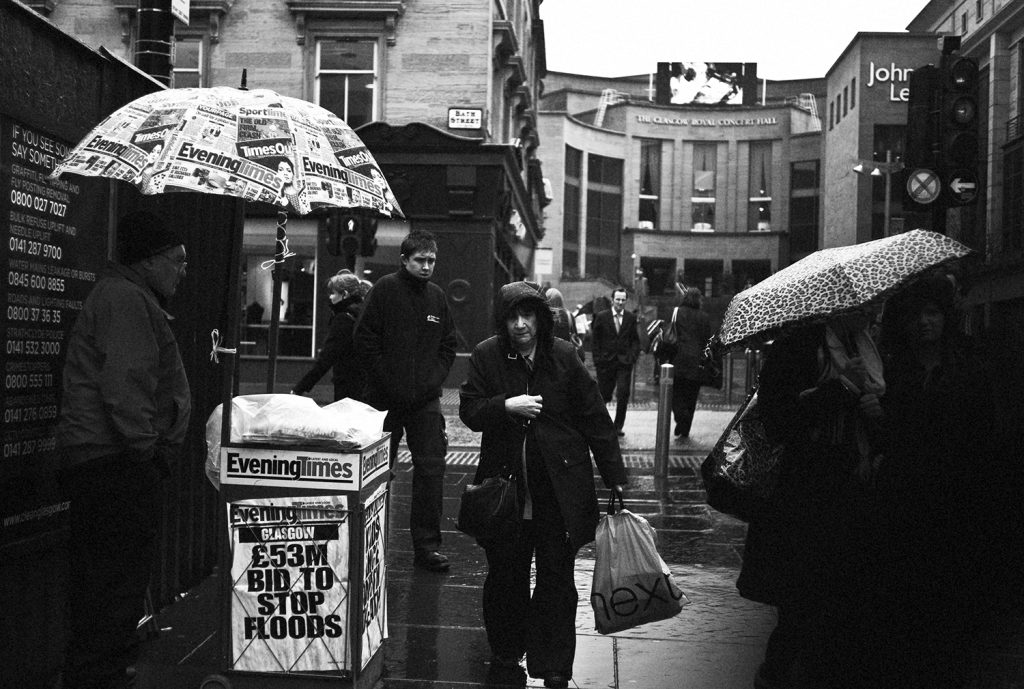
(707, 121)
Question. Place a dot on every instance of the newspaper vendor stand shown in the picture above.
(304, 573)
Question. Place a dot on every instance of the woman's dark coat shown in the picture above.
(693, 329)
(338, 353)
(809, 544)
(947, 509)
(573, 423)
(564, 327)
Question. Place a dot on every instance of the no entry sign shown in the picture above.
(923, 186)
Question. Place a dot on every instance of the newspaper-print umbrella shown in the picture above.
(253, 144)
(832, 281)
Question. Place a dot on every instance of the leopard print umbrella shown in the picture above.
(831, 281)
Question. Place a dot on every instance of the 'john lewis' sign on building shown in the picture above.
(892, 76)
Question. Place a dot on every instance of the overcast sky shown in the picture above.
(788, 39)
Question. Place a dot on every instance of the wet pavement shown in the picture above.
(436, 638)
(436, 635)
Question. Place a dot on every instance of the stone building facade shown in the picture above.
(649, 195)
(459, 81)
(992, 33)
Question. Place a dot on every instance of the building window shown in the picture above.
(604, 216)
(963, 24)
(1013, 202)
(705, 164)
(759, 210)
(346, 79)
(1020, 82)
(299, 291)
(660, 274)
(571, 212)
(650, 182)
(704, 274)
(188, 62)
(747, 273)
(978, 10)
(853, 93)
(831, 115)
(846, 99)
(888, 140)
(804, 179)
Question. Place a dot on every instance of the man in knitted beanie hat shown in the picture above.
(124, 413)
(153, 250)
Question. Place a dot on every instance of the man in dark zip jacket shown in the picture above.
(405, 338)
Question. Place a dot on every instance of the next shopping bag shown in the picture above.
(632, 584)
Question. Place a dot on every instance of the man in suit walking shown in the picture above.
(616, 345)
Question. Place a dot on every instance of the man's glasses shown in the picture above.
(180, 261)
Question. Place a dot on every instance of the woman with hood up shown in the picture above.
(541, 417)
(944, 481)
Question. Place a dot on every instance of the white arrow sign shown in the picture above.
(958, 185)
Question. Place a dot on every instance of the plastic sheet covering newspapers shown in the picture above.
(283, 420)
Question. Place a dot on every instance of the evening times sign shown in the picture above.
(54, 244)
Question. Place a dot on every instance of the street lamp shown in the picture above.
(879, 169)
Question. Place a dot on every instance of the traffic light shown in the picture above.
(958, 119)
(349, 233)
(367, 236)
(922, 123)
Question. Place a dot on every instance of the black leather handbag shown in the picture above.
(489, 510)
(741, 471)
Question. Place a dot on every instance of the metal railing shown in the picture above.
(1013, 129)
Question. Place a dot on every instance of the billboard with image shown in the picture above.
(706, 83)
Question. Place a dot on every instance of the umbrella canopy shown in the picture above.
(831, 281)
(254, 144)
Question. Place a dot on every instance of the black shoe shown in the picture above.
(432, 561)
(556, 680)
